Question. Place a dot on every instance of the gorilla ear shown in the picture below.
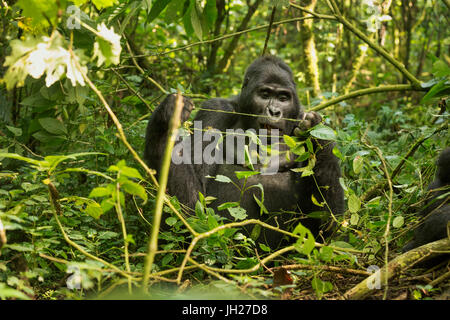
(246, 80)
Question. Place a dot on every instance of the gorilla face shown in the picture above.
(275, 103)
(269, 91)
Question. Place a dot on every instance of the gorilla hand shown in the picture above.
(308, 120)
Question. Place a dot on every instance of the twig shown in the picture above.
(440, 279)
(324, 268)
(269, 30)
(132, 89)
(362, 92)
(230, 35)
(124, 232)
(159, 201)
(156, 84)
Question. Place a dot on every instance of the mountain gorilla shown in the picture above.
(436, 211)
(268, 100)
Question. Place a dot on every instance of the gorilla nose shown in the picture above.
(274, 112)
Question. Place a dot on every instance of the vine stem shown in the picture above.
(124, 233)
(163, 177)
(362, 92)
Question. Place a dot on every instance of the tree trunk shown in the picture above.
(309, 50)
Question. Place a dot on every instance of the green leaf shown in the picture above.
(7, 293)
(321, 286)
(156, 9)
(210, 12)
(436, 90)
(196, 21)
(107, 48)
(289, 141)
(358, 164)
(354, 204)
(264, 247)
(101, 4)
(171, 221)
(326, 254)
(238, 213)
(354, 219)
(323, 132)
(440, 69)
(94, 210)
(53, 126)
(398, 222)
(245, 174)
(135, 189)
(314, 200)
(227, 205)
(16, 131)
(99, 192)
(212, 222)
(224, 179)
(199, 210)
(42, 13)
(130, 172)
(261, 205)
(306, 243)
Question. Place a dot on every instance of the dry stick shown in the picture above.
(208, 270)
(159, 201)
(439, 279)
(269, 29)
(399, 264)
(324, 268)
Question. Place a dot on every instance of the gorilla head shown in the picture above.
(269, 90)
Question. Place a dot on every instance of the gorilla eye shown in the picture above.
(284, 97)
(265, 94)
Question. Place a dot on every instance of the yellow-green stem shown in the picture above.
(159, 201)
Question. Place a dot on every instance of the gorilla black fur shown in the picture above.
(436, 211)
(269, 92)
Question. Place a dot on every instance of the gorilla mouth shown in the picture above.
(270, 127)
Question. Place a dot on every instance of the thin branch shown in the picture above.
(156, 84)
(137, 94)
(362, 92)
(269, 30)
(159, 201)
(227, 36)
